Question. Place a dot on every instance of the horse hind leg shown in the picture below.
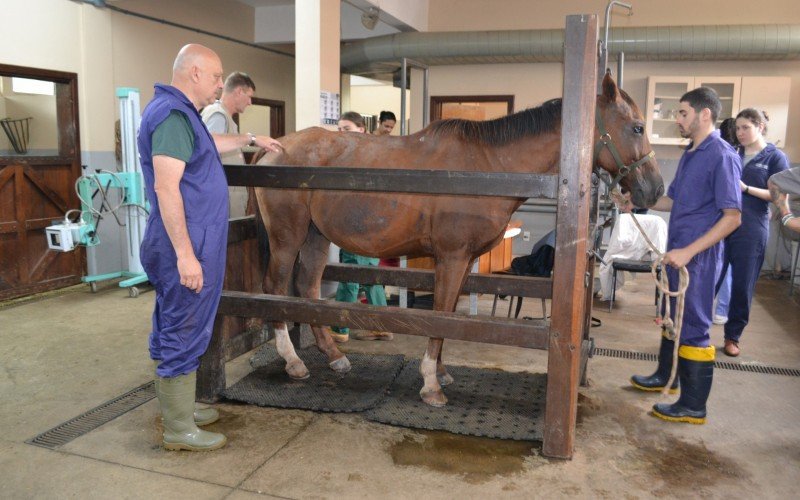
(451, 273)
(311, 264)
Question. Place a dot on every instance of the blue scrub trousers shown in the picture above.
(724, 295)
(704, 269)
(744, 253)
(348, 292)
(182, 319)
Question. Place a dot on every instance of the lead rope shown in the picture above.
(673, 328)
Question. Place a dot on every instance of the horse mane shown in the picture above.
(504, 130)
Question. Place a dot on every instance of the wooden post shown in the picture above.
(572, 222)
(211, 373)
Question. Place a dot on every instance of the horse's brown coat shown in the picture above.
(454, 230)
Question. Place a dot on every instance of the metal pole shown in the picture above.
(620, 69)
(403, 85)
(426, 104)
(602, 62)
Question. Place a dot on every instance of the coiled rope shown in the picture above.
(673, 329)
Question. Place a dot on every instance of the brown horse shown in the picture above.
(454, 230)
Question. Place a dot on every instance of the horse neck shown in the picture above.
(532, 154)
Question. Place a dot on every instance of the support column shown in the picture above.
(572, 226)
(317, 34)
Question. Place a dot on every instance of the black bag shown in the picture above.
(539, 263)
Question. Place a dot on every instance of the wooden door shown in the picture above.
(37, 188)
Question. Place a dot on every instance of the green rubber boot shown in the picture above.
(202, 416)
(176, 399)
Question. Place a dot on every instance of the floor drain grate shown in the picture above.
(725, 365)
(94, 418)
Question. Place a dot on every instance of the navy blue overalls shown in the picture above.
(182, 319)
(707, 181)
(745, 247)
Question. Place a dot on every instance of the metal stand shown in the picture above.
(131, 182)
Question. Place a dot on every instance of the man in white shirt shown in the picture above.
(236, 96)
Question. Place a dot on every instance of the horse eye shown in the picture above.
(638, 129)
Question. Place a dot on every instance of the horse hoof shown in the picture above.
(297, 371)
(341, 365)
(437, 399)
(445, 379)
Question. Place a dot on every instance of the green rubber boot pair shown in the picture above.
(176, 399)
(202, 416)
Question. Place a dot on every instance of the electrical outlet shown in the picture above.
(526, 236)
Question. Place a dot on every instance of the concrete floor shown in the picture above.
(66, 353)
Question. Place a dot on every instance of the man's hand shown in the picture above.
(678, 257)
(191, 273)
(622, 201)
(268, 143)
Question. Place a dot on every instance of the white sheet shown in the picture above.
(628, 243)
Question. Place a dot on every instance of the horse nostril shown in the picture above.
(660, 191)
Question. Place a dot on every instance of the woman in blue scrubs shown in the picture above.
(745, 247)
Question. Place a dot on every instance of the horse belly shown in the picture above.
(375, 225)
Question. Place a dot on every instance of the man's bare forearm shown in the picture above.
(664, 204)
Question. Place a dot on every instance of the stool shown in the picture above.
(519, 307)
(632, 266)
(511, 299)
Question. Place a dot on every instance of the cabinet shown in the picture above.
(735, 93)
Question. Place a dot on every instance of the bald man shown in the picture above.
(184, 247)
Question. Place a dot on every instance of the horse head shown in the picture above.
(622, 148)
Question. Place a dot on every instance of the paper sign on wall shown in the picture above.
(328, 108)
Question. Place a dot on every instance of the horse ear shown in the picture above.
(610, 90)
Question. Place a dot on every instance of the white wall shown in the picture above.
(372, 99)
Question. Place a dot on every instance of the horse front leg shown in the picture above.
(311, 264)
(451, 273)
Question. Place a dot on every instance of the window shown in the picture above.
(30, 86)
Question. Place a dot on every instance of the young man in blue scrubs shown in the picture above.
(705, 205)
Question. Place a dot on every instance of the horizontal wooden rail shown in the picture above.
(454, 326)
(446, 182)
(422, 279)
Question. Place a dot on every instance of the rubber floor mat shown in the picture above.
(360, 389)
(480, 402)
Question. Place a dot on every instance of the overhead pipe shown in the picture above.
(651, 43)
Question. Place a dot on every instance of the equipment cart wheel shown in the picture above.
(133, 292)
(93, 286)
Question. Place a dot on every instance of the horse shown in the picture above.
(454, 230)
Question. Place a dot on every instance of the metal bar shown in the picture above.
(426, 99)
(447, 182)
(403, 85)
(572, 227)
(422, 279)
(502, 331)
(603, 44)
(621, 69)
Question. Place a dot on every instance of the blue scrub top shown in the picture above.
(707, 182)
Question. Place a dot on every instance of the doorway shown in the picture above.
(39, 165)
(262, 117)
